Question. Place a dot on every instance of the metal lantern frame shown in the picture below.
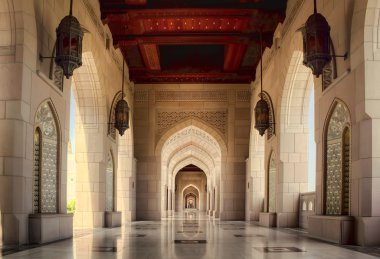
(262, 121)
(69, 44)
(122, 111)
(317, 43)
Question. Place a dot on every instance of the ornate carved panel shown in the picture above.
(141, 96)
(110, 184)
(327, 76)
(210, 96)
(191, 131)
(346, 170)
(243, 96)
(37, 171)
(167, 119)
(272, 184)
(336, 174)
(46, 122)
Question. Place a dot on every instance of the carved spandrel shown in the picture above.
(167, 119)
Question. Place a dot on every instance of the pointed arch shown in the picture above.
(195, 123)
(337, 168)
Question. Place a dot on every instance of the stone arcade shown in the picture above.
(191, 169)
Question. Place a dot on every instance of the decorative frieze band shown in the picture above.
(167, 119)
(141, 96)
(243, 96)
(210, 96)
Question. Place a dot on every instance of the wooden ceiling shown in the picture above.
(183, 41)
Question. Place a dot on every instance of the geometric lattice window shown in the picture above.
(111, 122)
(46, 160)
(338, 161)
(110, 180)
(271, 129)
(37, 171)
(272, 183)
(346, 159)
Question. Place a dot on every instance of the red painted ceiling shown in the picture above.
(192, 41)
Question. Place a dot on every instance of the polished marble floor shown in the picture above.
(189, 235)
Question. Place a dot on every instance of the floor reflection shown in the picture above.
(189, 235)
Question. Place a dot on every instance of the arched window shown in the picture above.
(272, 183)
(338, 161)
(46, 146)
(110, 180)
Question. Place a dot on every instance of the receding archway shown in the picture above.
(190, 179)
(193, 144)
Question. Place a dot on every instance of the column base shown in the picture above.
(368, 231)
(267, 219)
(112, 219)
(44, 228)
(336, 229)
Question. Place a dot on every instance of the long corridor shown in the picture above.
(190, 235)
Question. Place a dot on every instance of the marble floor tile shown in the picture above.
(189, 236)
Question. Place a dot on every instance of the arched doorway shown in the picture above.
(190, 183)
(195, 148)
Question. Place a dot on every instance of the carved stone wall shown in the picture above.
(167, 95)
(166, 119)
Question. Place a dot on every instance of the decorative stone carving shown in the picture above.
(58, 77)
(47, 190)
(109, 183)
(243, 96)
(335, 173)
(37, 170)
(141, 96)
(191, 131)
(210, 96)
(327, 76)
(217, 119)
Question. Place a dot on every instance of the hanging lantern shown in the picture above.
(262, 108)
(121, 116)
(261, 116)
(122, 112)
(316, 42)
(69, 44)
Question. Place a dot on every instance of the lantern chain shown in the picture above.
(261, 64)
(122, 86)
(71, 7)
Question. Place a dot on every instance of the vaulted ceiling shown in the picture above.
(192, 41)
